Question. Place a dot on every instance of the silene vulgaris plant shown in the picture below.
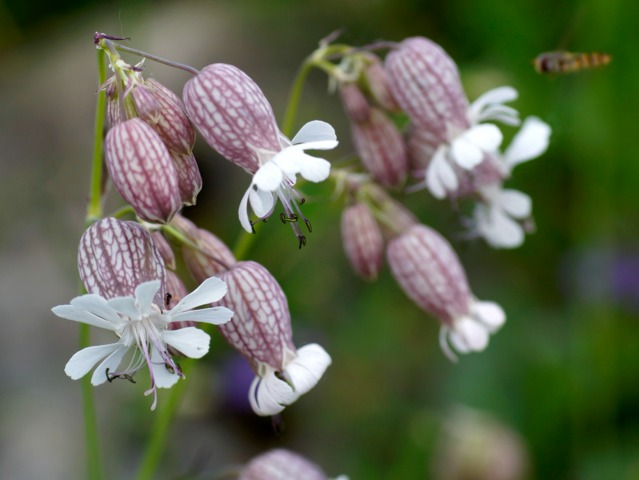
(414, 131)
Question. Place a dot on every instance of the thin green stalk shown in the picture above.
(294, 97)
(94, 212)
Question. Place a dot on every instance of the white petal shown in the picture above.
(269, 176)
(161, 375)
(490, 314)
(469, 336)
(81, 315)
(307, 368)
(501, 113)
(315, 131)
(440, 176)
(517, 204)
(530, 142)
(84, 360)
(314, 169)
(496, 95)
(214, 315)
(243, 212)
(262, 202)
(269, 395)
(210, 290)
(497, 228)
(190, 341)
(486, 136)
(98, 306)
(144, 294)
(125, 306)
(465, 153)
(112, 362)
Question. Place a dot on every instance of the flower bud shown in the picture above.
(232, 114)
(115, 256)
(280, 464)
(211, 256)
(188, 177)
(355, 103)
(376, 80)
(146, 105)
(165, 250)
(363, 241)
(425, 82)
(142, 170)
(381, 148)
(261, 332)
(428, 271)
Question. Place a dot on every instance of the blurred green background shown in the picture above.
(556, 393)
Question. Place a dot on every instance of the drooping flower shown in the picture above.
(236, 119)
(261, 332)
(425, 82)
(124, 274)
(363, 241)
(429, 272)
(143, 326)
(281, 464)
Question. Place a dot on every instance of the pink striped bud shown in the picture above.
(170, 123)
(146, 104)
(142, 170)
(376, 80)
(114, 114)
(114, 257)
(425, 82)
(363, 241)
(355, 103)
(280, 464)
(381, 148)
(428, 271)
(165, 250)
(210, 256)
(232, 114)
(188, 177)
(261, 332)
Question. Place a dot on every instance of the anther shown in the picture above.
(290, 219)
(302, 240)
(307, 222)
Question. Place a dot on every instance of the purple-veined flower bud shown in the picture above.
(188, 176)
(171, 122)
(425, 82)
(363, 241)
(211, 255)
(146, 104)
(355, 103)
(113, 110)
(281, 464)
(428, 271)
(261, 332)
(165, 250)
(381, 148)
(397, 218)
(142, 170)
(232, 114)
(115, 256)
(376, 80)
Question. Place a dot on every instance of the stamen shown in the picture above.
(302, 240)
(291, 218)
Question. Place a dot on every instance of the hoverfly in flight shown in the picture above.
(567, 62)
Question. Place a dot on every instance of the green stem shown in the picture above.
(294, 97)
(94, 212)
(159, 431)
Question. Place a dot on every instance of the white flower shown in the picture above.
(272, 390)
(470, 333)
(142, 325)
(466, 149)
(498, 218)
(278, 171)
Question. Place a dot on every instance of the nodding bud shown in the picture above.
(425, 82)
(376, 80)
(165, 250)
(232, 114)
(429, 272)
(280, 464)
(146, 104)
(381, 148)
(261, 332)
(142, 170)
(188, 176)
(209, 255)
(355, 103)
(115, 256)
(363, 241)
